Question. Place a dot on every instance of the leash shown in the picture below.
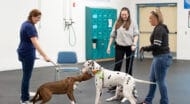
(121, 60)
(141, 57)
(76, 89)
(57, 67)
(128, 57)
(131, 61)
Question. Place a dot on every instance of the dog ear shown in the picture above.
(90, 63)
(87, 63)
(96, 66)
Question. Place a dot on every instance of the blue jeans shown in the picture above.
(27, 67)
(158, 72)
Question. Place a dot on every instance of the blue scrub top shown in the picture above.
(26, 48)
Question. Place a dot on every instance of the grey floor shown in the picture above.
(178, 84)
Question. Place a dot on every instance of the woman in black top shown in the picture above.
(162, 58)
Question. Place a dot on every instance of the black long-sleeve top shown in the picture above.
(159, 41)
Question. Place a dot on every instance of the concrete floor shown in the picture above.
(178, 84)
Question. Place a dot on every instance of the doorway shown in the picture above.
(169, 12)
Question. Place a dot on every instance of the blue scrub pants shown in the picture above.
(27, 68)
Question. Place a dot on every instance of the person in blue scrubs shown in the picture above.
(27, 51)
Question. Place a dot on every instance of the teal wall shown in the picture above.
(98, 31)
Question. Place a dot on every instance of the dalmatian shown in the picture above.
(105, 78)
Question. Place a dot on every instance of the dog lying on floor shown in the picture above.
(105, 78)
(65, 86)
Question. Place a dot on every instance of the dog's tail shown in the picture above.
(34, 99)
(143, 81)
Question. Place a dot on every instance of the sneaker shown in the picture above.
(32, 94)
(25, 102)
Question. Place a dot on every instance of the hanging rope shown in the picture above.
(68, 24)
(74, 36)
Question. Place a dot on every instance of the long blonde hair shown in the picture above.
(158, 14)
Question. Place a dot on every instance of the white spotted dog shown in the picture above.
(105, 78)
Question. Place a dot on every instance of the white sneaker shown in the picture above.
(32, 94)
(26, 102)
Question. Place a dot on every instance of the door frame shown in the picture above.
(138, 6)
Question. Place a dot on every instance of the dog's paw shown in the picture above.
(111, 99)
(123, 100)
(72, 102)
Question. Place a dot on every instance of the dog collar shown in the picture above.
(93, 72)
(100, 74)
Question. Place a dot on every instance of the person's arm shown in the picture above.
(135, 38)
(134, 45)
(109, 44)
(112, 38)
(36, 44)
(157, 42)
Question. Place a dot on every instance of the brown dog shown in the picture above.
(65, 86)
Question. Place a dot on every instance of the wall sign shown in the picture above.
(186, 4)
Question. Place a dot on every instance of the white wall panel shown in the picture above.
(13, 13)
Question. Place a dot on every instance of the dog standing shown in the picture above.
(106, 78)
(65, 86)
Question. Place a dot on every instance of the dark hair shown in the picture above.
(157, 13)
(120, 20)
(33, 13)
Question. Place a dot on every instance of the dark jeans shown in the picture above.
(27, 67)
(120, 51)
(158, 72)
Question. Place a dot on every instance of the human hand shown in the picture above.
(141, 54)
(133, 47)
(47, 59)
(142, 49)
(108, 50)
